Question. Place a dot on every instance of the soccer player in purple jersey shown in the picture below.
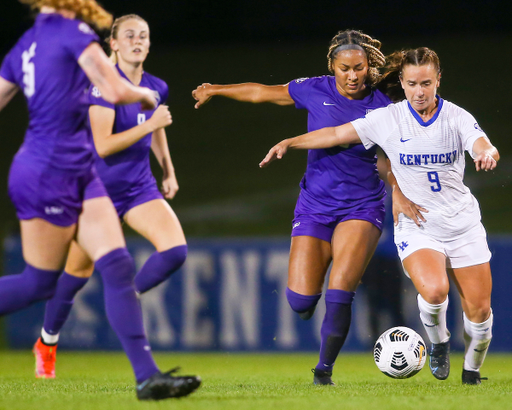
(123, 136)
(340, 210)
(425, 138)
(53, 183)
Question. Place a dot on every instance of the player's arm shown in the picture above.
(324, 138)
(107, 143)
(401, 204)
(486, 154)
(160, 148)
(7, 91)
(247, 92)
(113, 88)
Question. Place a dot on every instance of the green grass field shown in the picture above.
(248, 381)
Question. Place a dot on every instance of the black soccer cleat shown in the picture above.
(472, 377)
(322, 378)
(440, 360)
(163, 386)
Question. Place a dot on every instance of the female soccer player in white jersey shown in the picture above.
(124, 136)
(53, 182)
(425, 138)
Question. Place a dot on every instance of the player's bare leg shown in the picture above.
(353, 245)
(156, 221)
(474, 284)
(427, 269)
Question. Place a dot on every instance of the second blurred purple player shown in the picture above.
(123, 137)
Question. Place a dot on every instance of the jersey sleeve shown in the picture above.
(299, 90)
(6, 70)
(77, 36)
(375, 127)
(164, 92)
(469, 130)
(95, 98)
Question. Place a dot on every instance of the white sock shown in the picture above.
(434, 320)
(48, 338)
(477, 337)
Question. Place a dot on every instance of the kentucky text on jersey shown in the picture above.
(426, 159)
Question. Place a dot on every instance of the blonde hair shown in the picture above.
(115, 30)
(370, 46)
(87, 10)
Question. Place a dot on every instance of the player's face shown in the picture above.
(350, 70)
(132, 43)
(420, 86)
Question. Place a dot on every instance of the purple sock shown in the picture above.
(58, 307)
(159, 267)
(335, 326)
(123, 310)
(304, 305)
(19, 291)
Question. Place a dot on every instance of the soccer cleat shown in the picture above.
(471, 377)
(163, 386)
(440, 360)
(322, 378)
(46, 356)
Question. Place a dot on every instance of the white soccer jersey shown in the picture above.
(427, 159)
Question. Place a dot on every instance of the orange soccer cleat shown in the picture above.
(46, 357)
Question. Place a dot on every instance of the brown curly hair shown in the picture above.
(395, 63)
(87, 10)
(370, 45)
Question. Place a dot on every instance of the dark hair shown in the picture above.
(115, 29)
(395, 63)
(370, 46)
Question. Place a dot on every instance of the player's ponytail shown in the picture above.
(87, 10)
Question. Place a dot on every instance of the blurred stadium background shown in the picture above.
(236, 216)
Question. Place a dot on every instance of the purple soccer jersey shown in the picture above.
(43, 64)
(127, 174)
(342, 178)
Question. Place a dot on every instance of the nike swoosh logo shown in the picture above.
(479, 351)
(402, 140)
(429, 325)
(326, 103)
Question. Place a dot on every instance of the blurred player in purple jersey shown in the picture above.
(425, 138)
(123, 136)
(53, 182)
(340, 210)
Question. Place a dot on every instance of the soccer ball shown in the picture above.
(400, 353)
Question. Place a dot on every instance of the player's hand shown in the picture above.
(485, 161)
(402, 205)
(276, 152)
(149, 102)
(161, 118)
(170, 187)
(201, 94)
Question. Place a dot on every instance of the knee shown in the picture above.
(42, 284)
(479, 313)
(301, 303)
(117, 268)
(435, 294)
(176, 256)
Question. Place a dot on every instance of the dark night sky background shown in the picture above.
(216, 149)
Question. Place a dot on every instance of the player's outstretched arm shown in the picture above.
(401, 204)
(486, 154)
(113, 88)
(247, 92)
(7, 91)
(324, 138)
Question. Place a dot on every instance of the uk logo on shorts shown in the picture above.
(402, 246)
(53, 210)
